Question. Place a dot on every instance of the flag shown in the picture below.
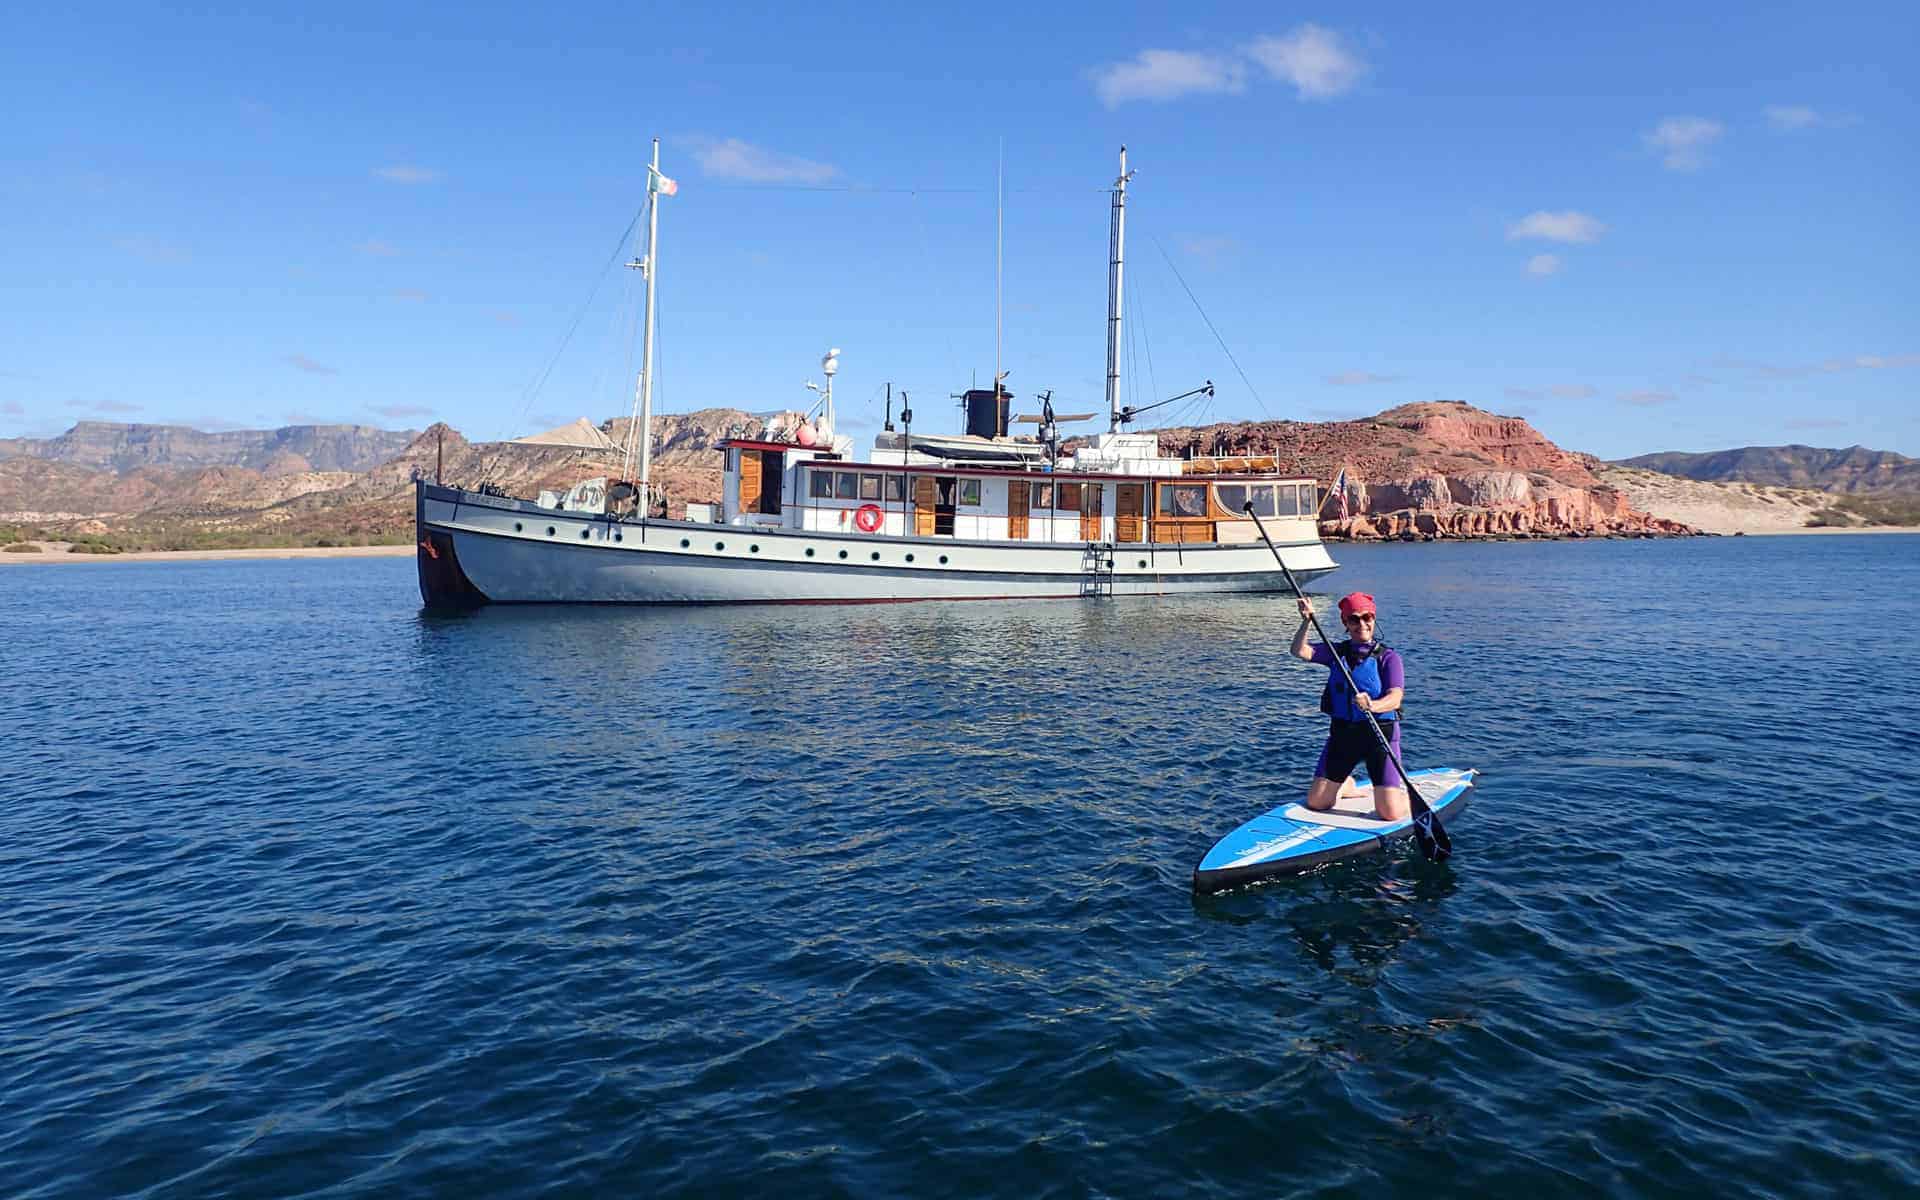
(1339, 491)
(665, 186)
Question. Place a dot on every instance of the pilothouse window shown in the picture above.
(1262, 496)
(822, 485)
(896, 488)
(1042, 495)
(1289, 499)
(1067, 497)
(969, 491)
(869, 487)
(1232, 496)
(846, 485)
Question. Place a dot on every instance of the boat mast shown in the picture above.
(1117, 241)
(642, 430)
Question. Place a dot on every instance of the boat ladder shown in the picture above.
(1096, 570)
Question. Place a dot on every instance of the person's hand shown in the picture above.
(1364, 701)
(1306, 607)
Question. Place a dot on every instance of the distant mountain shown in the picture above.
(1855, 469)
(112, 446)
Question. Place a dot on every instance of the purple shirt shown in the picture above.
(1392, 674)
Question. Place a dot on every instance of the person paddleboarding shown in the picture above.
(1381, 679)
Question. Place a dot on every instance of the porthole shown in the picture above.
(876, 556)
(943, 560)
(549, 531)
(585, 534)
(809, 551)
(755, 549)
(684, 543)
(617, 537)
(843, 554)
(719, 545)
(517, 527)
(909, 558)
(1143, 562)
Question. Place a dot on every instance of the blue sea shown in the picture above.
(304, 892)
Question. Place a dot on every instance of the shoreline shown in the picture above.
(56, 552)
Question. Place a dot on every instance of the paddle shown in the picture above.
(1432, 837)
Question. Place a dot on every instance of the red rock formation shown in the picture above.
(1438, 469)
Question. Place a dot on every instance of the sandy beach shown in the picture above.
(56, 552)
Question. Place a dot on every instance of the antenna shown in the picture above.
(999, 260)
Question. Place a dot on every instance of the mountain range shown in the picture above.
(1852, 470)
(118, 447)
(1433, 469)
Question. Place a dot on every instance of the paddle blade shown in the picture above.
(1428, 833)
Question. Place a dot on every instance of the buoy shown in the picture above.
(804, 434)
(868, 517)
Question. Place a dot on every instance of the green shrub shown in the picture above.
(22, 548)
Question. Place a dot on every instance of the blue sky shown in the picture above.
(1640, 227)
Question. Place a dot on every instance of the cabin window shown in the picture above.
(869, 487)
(969, 491)
(1042, 495)
(1066, 497)
(1189, 500)
(896, 488)
(1307, 506)
(1289, 499)
(822, 487)
(846, 485)
(1262, 496)
(1232, 496)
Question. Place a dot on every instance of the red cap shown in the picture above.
(1355, 602)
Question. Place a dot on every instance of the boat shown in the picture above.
(976, 516)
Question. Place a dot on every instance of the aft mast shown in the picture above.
(1117, 241)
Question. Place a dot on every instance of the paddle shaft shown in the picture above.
(1434, 842)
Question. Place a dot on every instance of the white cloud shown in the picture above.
(1647, 399)
(1682, 141)
(1354, 378)
(309, 366)
(1314, 60)
(1544, 264)
(1566, 226)
(405, 173)
(115, 406)
(1573, 391)
(1208, 248)
(401, 410)
(1817, 423)
(12, 408)
(1520, 393)
(411, 295)
(1167, 75)
(153, 250)
(1791, 116)
(735, 159)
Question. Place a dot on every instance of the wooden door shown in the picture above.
(1090, 511)
(925, 497)
(1130, 505)
(1019, 492)
(749, 481)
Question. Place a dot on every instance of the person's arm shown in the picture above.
(1299, 649)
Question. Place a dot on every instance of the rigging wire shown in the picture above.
(540, 380)
(1210, 328)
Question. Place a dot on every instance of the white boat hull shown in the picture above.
(477, 549)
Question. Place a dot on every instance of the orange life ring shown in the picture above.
(868, 517)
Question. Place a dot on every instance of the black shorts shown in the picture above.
(1350, 743)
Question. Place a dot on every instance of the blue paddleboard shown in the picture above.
(1293, 838)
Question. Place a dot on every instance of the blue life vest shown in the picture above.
(1337, 701)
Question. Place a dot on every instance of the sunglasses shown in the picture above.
(1356, 618)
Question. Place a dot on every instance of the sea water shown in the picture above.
(303, 891)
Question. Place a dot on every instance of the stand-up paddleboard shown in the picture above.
(1294, 838)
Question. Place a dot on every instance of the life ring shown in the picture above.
(868, 517)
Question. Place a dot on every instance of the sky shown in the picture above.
(1641, 228)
